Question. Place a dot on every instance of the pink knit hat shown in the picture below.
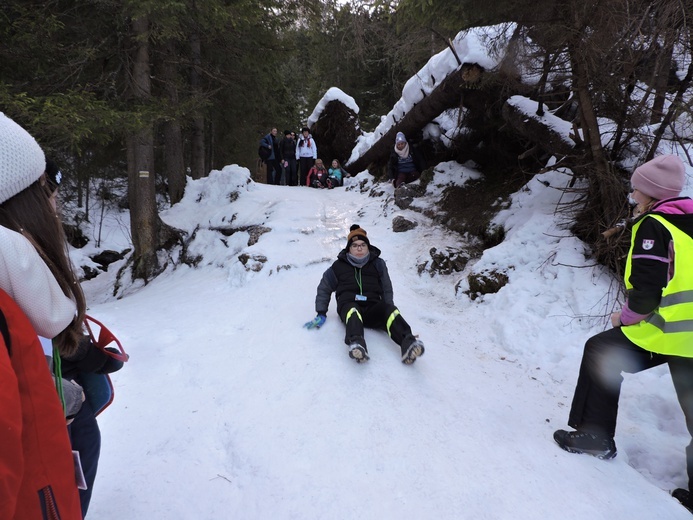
(660, 178)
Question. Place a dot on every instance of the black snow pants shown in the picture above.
(374, 315)
(606, 356)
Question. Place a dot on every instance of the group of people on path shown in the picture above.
(44, 346)
(299, 164)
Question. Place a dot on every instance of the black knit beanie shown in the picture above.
(53, 175)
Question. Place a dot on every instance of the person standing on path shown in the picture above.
(306, 153)
(287, 154)
(274, 169)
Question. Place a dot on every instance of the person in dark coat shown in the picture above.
(364, 295)
(274, 169)
(287, 154)
(406, 162)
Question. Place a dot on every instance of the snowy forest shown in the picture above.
(180, 88)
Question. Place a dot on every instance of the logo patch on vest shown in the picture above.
(647, 244)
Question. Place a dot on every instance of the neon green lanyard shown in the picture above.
(58, 371)
(357, 276)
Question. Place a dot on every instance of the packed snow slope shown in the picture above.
(229, 409)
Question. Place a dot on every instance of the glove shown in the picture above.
(112, 364)
(317, 322)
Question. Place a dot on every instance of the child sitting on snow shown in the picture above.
(317, 175)
(336, 174)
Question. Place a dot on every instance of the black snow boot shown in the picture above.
(358, 350)
(600, 446)
(411, 349)
(684, 496)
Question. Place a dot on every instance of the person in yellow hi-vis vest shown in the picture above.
(655, 325)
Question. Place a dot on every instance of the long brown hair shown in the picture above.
(31, 214)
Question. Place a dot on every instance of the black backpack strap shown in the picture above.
(5, 332)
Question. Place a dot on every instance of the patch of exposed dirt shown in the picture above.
(468, 210)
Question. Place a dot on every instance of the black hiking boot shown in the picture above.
(684, 496)
(600, 446)
(358, 350)
(411, 349)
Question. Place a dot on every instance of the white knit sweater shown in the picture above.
(27, 279)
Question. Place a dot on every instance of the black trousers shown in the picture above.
(374, 315)
(606, 356)
(291, 172)
(85, 438)
(406, 178)
(306, 163)
(274, 171)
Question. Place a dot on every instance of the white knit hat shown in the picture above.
(21, 159)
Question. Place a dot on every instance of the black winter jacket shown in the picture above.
(287, 149)
(371, 281)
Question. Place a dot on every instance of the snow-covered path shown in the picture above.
(229, 409)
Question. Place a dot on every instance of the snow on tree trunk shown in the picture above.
(335, 132)
(446, 95)
(543, 131)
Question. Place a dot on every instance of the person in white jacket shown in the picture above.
(306, 153)
(49, 297)
(40, 294)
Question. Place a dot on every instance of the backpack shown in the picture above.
(264, 152)
(34, 446)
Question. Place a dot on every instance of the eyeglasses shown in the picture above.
(361, 245)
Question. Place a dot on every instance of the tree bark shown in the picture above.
(173, 135)
(588, 116)
(197, 147)
(538, 130)
(669, 117)
(661, 79)
(144, 220)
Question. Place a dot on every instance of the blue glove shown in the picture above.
(317, 322)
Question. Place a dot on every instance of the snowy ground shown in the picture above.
(229, 409)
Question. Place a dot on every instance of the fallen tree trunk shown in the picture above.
(446, 95)
(546, 132)
(335, 132)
